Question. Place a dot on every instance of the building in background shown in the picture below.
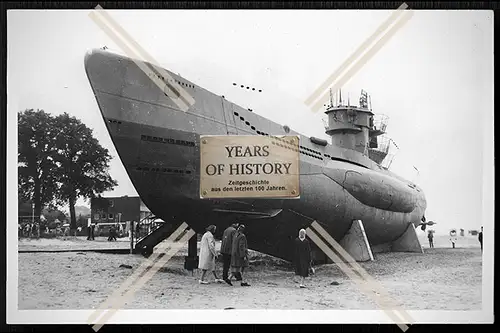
(115, 209)
(106, 211)
(25, 212)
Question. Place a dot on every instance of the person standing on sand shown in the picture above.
(239, 255)
(480, 238)
(208, 254)
(302, 257)
(115, 233)
(110, 235)
(453, 238)
(226, 249)
(431, 239)
(453, 241)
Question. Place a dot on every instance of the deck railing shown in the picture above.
(380, 122)
(145, 227)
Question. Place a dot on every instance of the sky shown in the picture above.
(433, 79)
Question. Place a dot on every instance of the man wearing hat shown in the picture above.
(226, 249)
(239, 255)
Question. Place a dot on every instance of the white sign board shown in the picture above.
(249, 166)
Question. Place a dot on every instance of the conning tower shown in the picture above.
(357, 127)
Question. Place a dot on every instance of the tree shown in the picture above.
(83, 162)
(37, 171)
(52, 214)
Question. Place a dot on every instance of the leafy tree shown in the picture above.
(52, 214)
(37, 170)
(83, 162)
(59, 161)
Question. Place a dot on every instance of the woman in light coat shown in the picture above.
(208, 254)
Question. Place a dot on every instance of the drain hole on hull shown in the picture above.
(163, 170)
(303, 150)
(167, 140)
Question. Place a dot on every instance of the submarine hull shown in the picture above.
(158, 145)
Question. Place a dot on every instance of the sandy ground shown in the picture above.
(441, 279)
(81, 243)
(71, 243)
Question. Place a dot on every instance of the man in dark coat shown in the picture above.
(112, 233)
(226, 249)
(239, 255)
(302, 256)
(91, 228)
(480, 238)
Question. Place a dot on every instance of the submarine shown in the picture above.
(159, 145)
